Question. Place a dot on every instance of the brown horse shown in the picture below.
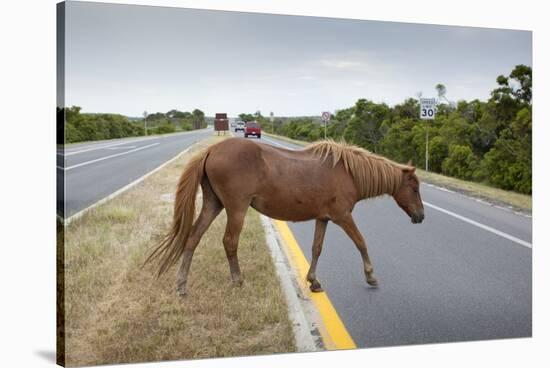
(323, 181)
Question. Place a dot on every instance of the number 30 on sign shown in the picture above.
(427, 108)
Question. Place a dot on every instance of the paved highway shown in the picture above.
(463, 274)
(93, 170)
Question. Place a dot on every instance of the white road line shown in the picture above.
(95, 148)
(481, 226)
(118, 148)
(108, 157)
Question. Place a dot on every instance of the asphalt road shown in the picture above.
(463, 274)
(93, 170)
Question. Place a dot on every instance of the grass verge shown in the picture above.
(118, 312)
(518, 201)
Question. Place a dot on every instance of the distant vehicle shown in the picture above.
(221, 122)
(239, 126)
(252, 128)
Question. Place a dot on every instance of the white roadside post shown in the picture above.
(427, 112)
(145, 121)
(325, 117)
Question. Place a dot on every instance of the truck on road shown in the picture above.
(252, 128)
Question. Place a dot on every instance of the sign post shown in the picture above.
(427, 112)
(145, 122)
(325, 117)
(271, 119)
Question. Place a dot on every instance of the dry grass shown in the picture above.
(117, 312)
(518, 201)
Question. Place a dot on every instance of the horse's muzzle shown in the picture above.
(417, 217)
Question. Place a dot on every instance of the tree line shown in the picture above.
(487, 142)
(81, 127)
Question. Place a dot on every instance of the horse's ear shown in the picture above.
(410, 163)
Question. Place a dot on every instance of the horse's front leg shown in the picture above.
(351, 229)
(320, 229)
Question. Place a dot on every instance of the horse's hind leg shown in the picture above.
(211, 207)
(320, 229)
(351, 229)
(235, 221)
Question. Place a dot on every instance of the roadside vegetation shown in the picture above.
(485, 142)
(81, 127)
(118, 312)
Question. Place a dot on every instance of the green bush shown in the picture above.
(461, 162)
(164, 129)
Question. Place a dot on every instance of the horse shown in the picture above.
(321, 182)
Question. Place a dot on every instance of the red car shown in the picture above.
(252, 128)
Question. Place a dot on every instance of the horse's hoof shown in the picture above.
(181, 293)
(372, 282)
(238, 283)
(315, 287)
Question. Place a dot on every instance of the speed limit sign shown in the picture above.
(427, 108)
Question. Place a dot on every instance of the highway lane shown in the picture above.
(94, 170)
(444, 280)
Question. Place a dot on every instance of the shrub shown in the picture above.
(461, 163)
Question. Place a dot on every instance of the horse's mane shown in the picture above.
(373, 174)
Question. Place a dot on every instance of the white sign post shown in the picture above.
(325, 117)
(427, 108)
(145, 121)
(427, 112)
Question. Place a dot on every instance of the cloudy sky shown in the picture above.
(127, 59)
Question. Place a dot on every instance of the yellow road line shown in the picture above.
(334, 332)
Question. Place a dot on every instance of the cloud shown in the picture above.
(344, 64)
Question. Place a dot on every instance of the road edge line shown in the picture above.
(333, 331)
(305, 342)
(487, 228)
(116, 193)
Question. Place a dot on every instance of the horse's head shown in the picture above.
(408, 195)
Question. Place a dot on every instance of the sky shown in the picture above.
(128, 59)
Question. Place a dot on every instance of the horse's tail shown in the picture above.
(171, 248)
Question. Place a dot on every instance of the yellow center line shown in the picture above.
(334, 332)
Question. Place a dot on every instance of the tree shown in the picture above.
(508, 164)
(441, 91)
(518, 88)
(364, 127)
(461, 163)
(198, 119)
(338, 123)
(246, 117)
(397, 143)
